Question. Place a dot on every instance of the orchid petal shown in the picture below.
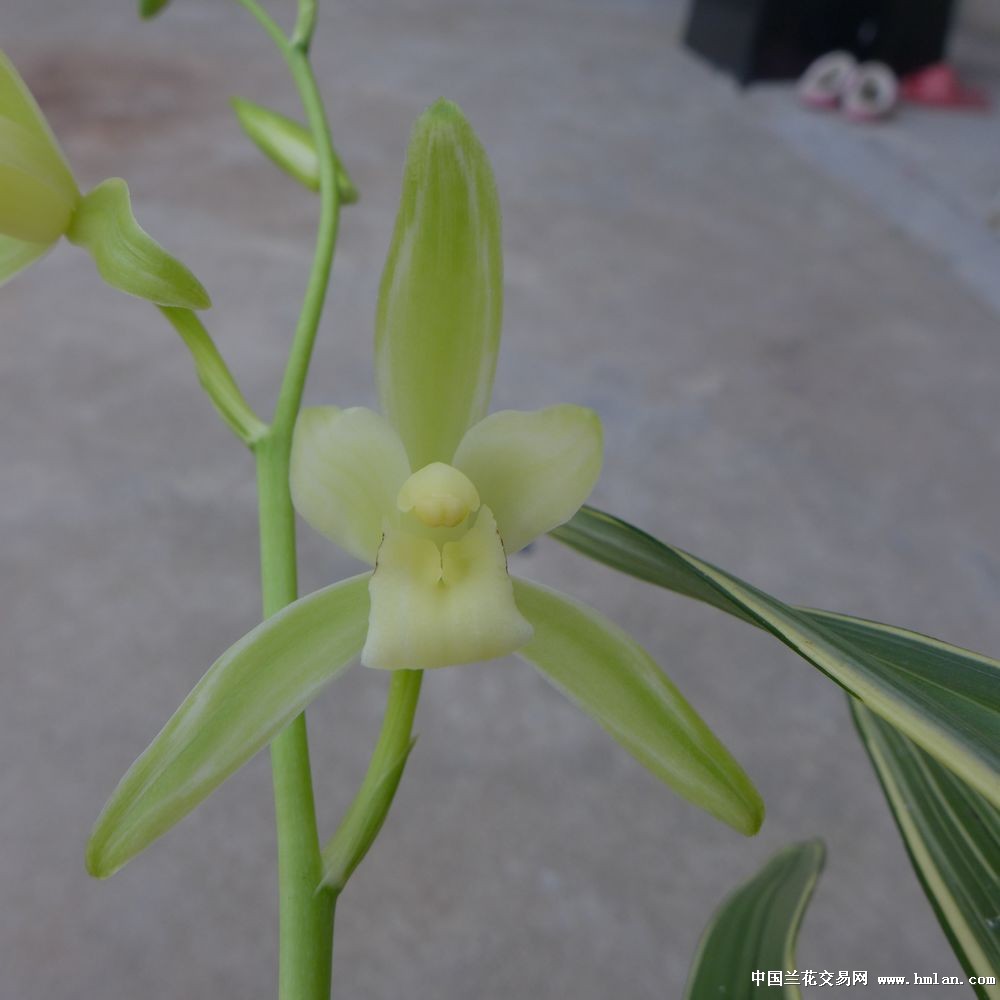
(437, 329)
(347, 468)
(435, 607)
(533, 470)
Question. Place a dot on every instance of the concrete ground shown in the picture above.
(797, 382)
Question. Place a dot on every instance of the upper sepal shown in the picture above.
(437, 327)
(127, 257)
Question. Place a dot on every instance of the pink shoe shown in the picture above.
(940, 87)
(823, 84)
(871, 94)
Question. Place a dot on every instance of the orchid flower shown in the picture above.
(434, 495)
(41, 202)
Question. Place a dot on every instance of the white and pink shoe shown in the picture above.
(824, 83)
(871, 93)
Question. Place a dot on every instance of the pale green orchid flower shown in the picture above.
(435, 495)
(41, 202)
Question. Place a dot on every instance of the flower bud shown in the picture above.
(38, 195)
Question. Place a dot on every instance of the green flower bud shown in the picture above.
(38, 194)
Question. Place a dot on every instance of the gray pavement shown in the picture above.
(793, 384)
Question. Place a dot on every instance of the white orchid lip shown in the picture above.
(439, 495)
(438, 605)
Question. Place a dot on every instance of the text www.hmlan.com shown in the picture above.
(934, 980)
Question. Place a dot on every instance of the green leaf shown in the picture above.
(126, 256)
(247, 697)
(946, 699)
(952, 835)
(603, 671)
(437, 327)
(290, 146)
(363, 821)
(150, 8)
(755, 929)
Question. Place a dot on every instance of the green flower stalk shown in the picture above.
(40, 202)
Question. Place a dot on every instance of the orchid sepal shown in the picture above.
(437, 327)
(613, 679)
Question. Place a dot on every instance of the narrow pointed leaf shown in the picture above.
(756, 928)
(290, 146)
(437, 327)
(952, 835)
(127, 257)
(946, 699)
(604, 672)
(247, 697)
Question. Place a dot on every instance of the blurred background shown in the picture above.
(789, 325)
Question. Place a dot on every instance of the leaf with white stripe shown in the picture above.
(952, 835)
(755, 930)
(946, 699)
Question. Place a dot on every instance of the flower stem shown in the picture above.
(215, 377)
(306, 915)
(306, 910)
(307, 905)
(363, 820)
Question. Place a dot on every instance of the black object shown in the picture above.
(778, 39)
